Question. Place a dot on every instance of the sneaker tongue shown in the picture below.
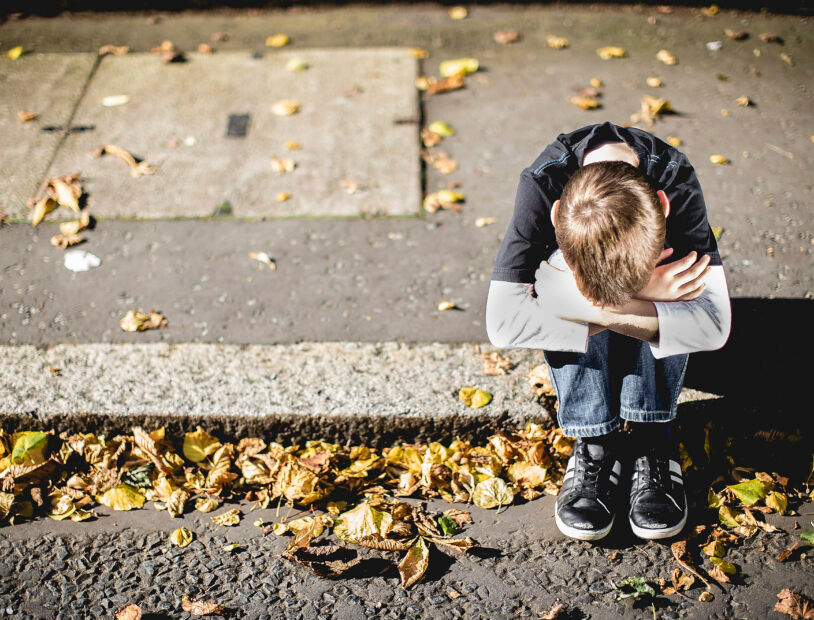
(595, 451)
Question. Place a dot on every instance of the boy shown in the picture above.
(610, 266)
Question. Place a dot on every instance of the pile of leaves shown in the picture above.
(354, 487)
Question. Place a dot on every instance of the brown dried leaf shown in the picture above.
(137, 167)
(666, 57)
(785, 554)
(553, 613)
(794, 605)
(74, 226)
(413, 566)
(24, 116)
(281, 165)
(66, 241)
(377, 541)
(453, 82)
(584, 103)
(202, 608)
(459, 544)
(286, 107)
(135, 321)
(506, 37)
(116, 50)
(228, 518)
(650, 109)
(606, 53)
(736, 35)
(768, 37)
(556, 43)
(495, 364)
(66, 190)
(131, 612)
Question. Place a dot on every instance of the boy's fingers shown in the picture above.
(665, 254)
(694, 294)
(683, 264)
(698, 268)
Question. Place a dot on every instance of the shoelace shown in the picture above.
(586, 474)
(654, 472)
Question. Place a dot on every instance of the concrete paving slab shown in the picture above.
(50, 86)
(357, 125)
(365, 391)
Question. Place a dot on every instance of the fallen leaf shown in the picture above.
(787, 59)
(42, 208)
(506, 37)
(458, 12)
(441, 128)
(130, 612)
(443, 199)
(714, 549)
(206, 504)
(296, 65)
(556, 43)
(584, 103)
(115, 50)
(286, 107)
(474, 397)
(75, 226)
(24, 116)
(495, 364)
(122, 497)
(278, 40)
(181, 537)
(719, 159)
(726, 567)
(228, 518)
(777, 501)
(199, 445)
(112, 101)
(737, 35)
(264, 258)
(281, 165)
(650, 109)
(458, 66)
(291, 145)
(419, 52)
(445, 305)
(744, 102)
(674, 141)
(282, 196)
(135, 321)
(15, 52)
(710, 11)
(219, 37)
(785, 554)
(485, 221)
(717, 231)
(666, 57)
(168, 52)
(413, 565)
(768, 37)
(434, 86)
(635, 587)
(654, 82)
(491, 493)
(606, 53)
(807, 536)
(794, 605)
(137, 167)
(66, 241)
(205, 48)
(596, 82)
(749, 492)
(201, 608)
(706, 596)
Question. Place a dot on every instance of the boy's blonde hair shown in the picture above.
(610, 226)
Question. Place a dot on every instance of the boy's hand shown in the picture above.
(682, 280)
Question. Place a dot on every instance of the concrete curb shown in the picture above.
(345, 391)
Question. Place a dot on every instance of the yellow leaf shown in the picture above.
(181, 537)
(485, 221)
(714, 549)
(206, 504)
(674, 141)
(556, 43)
(654, 82)
(445, 305)
(135, 321)
(361, 521)
(278, 40)
(15, 52)
(711, 10)
(413, 565)
(419, 52)
(725, 566)
(606, 53)
(717, 231)
(282, 196)
(296, 65)
(442, 129)
(291, 145)
(458, 12)
(666, 57)
(492, 492)
(459, 66)
(777, 501)
(531, 474)
(286, 107)
(718, 159)
(596, 82)
(121, 497)
(199, 445)
(744, 101)
(584, 103)
(474, 397)
(228, 518)
(29, 447)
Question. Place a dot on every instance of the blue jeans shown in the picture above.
(616, 379)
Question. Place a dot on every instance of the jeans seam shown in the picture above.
(593, 430)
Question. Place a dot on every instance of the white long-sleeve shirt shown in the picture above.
(517, 319)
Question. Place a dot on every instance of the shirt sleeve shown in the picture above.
(702, 324)
(516, 319)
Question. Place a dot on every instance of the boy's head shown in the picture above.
(610, 225)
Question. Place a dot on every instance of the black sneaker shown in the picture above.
(658, 506)
(586, 505)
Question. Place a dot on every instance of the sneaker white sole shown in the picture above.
(579, 534)
(658, 533)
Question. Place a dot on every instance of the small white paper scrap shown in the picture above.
(80, 260)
